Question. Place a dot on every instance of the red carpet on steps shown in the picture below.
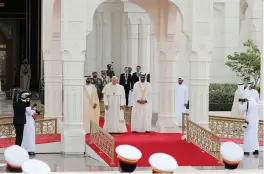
(186, 154)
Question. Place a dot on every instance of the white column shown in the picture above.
(202, 19)
(52, 64)
(144, 39)
(166, 80)
(99, 41)
(90, 58)
(107, 38)
(132, 40)
(261, 103)
(124, 54)
(255, 18)
(232, 26)
(73, 39)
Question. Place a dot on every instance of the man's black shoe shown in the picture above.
(256, 152)
(134, 132)
(31, 153)
(148, 132)
(246, 153)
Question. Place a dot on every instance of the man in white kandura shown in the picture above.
(142, 106)
(249, 105)
(91, 109)
(181, 100)
(29, 135)
(238, 94)
(251, 92)
(114, 101)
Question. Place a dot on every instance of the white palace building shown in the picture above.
(168, 38)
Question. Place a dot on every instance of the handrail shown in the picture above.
(203, 138)
(102, 140)
(231, 127)
(42, 127)
(128, 114)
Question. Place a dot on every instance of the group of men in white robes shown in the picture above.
(245, 106)
(114, 98)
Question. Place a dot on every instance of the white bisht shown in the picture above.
(29, 135)
(114, 98)
(181, 99)
(250, 108)
(238, 94)
(141, 113)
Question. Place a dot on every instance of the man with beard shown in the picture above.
(98, 83)
(110, 73)
(25, 75)
(91, 109)
(142, 106)
(105, 78)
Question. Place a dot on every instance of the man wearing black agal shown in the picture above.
(126, 81)
(19, 106)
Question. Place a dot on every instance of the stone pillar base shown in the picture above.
(261, 110)
(167, 125)
(73, 141)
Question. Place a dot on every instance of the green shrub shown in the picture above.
(221, 93)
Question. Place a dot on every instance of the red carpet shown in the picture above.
(186, 154)
(40, 139)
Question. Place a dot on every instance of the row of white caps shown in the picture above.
(17, 158)
(231, 153)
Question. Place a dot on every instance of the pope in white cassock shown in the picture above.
(142, 106)
(251, 92)
(181, 100)
(238, 94)
(250, 107)
(91, 109)
(29, 134)
(114, 101)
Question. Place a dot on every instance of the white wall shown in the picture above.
(106, 42)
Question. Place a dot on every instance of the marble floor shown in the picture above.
(62, 163)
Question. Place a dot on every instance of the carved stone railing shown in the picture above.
(231, 127)
(127, 114)
(204, 139)
(42, 126)
(102, 140)
(9, 119)
(184, 122)
(101, 104)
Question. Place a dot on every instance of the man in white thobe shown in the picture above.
(238, 94)
(142, 106)
(114, 101)
(91, 109)
(250, 107)
(251, 92)
(181, 100)
(29, 135)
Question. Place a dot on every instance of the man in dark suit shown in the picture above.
(19, 107)
(126, 81)
(135, 76)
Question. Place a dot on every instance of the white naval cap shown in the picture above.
(162, 163)
(231, 154)
(34, 166)
(15, 156)
(128, 154)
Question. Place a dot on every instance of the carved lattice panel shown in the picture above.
(2, 63)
